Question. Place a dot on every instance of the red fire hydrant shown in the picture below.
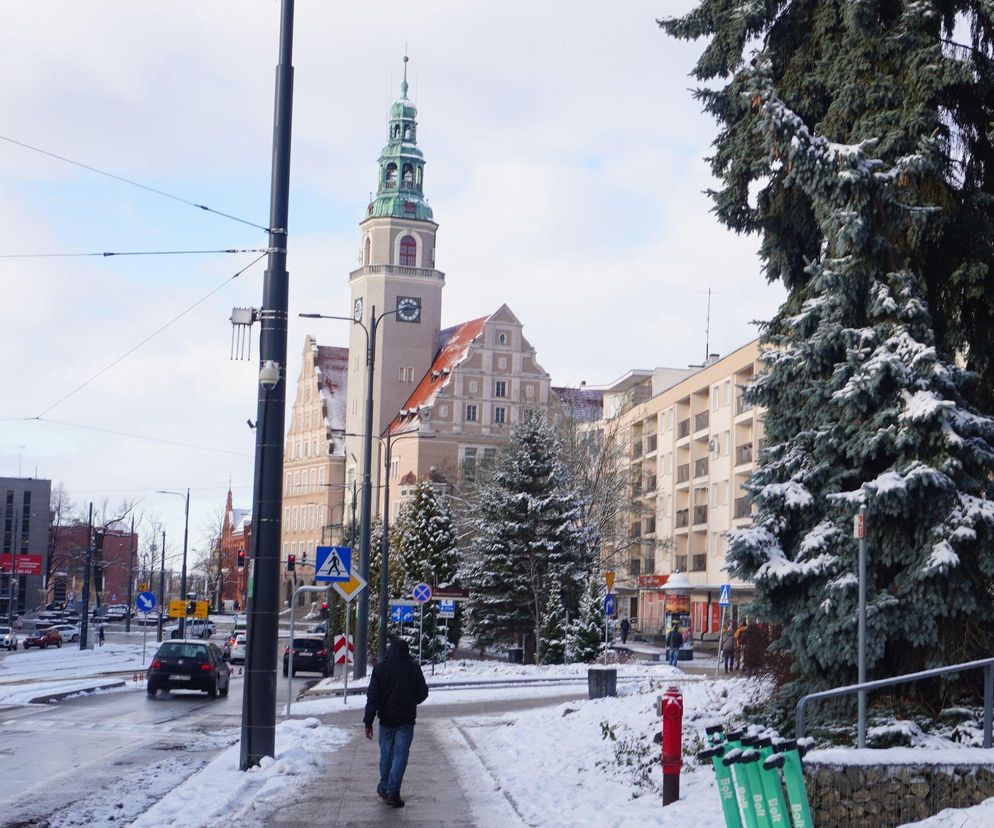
(671, 710)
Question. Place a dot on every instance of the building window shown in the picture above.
(365, 251)
(725, 441)
(500, 414)
(726, 392)
(713, 543)
(469, 465)
(500, 388)
(406, 373)
(394, 468)
(471, 413)
(529, 391)
(391, 179)
(408, 251)
(296, 482)
(289, 483)
(724, 492)
(714, 398)
(502, 338)
(489, 455)
(295, 513)
(714, 494)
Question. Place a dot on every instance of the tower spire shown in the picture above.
(403, 85)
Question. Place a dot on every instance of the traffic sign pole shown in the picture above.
(293, 622)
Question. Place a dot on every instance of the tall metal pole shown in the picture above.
(182, 577)
(381, 649)
(362, 622)
(861, 714)
(259, 694)
(84, 616)
(131, 577)
(162, 588)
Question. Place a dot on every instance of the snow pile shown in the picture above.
(221, 793)
(978, 815)
(594, 763)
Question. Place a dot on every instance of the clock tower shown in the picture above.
(397, 276)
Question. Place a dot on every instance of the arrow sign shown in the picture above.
(421, 593)
(401, 614)
(725, 595)
(145, 601)
(334, 564)
(609, 604)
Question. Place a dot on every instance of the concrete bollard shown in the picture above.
(602, 682)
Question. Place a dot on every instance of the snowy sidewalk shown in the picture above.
(345, 793)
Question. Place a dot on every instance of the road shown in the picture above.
(60, 762)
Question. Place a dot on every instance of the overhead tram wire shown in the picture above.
(152, 335)
(124, 180)
(134, 253)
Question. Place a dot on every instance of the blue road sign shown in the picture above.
(446, 605)
(725, 595)
(401, 614)
(333, 564)
(145, 602)
(421, 593)
(609, 604)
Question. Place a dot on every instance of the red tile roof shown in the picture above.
(453, 347)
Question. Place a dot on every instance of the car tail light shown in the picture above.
(296, 652)
(206, 667)
(156, 664)
(322, 653)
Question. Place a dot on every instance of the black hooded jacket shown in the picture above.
(396, 688)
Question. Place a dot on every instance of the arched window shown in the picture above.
(365, 252)
(408, 251)
(408, 175)
(391, 175)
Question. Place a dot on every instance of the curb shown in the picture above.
(50, 697)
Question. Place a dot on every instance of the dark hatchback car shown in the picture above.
(189, 665)
(310, 655)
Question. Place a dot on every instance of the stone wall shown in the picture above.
(886, 796)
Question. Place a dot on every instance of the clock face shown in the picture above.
(408, 309)
(357, 310)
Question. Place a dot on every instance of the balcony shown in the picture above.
(683, 473)
(650, 484)
(636, 450)
(650, 444)
(741, 406)
(398, 270)
(743, 454)
(743, 508)
(700, 515)
(701, 421)
(682, 518)
(683, 429)
(681, 563)
(701, 468)
(698, 563)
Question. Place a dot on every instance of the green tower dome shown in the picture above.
(400, 190)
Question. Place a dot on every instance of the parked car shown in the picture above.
(310, 655)
(237, 650)
(188, 665)
(50, 617)
(43, 638)
(118, 612)
(8, 638)
(319, 629)
(100, 613)
(67, 631)
(195, 628)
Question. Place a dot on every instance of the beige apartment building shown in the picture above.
(690, 440)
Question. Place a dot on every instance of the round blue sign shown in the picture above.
(145, 601)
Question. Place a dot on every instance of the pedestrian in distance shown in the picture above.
(728, 649)
(396, 688)
(737, 638)
(674, 641)
(626, 628)
(100, 634)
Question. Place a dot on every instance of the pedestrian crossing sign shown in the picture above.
(725, 595)
(333, 564)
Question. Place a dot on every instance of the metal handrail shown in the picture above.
(986, 663)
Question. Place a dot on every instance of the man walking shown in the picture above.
(626, 628)
(674, 641)
(396, 688)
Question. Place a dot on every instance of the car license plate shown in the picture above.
(177, 677)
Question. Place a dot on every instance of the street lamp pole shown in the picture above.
(362, 626)
(258, 734)
(186, 536)
(162, 587)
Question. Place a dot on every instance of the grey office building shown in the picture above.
(24, 530)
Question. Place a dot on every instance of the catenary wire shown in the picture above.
(138, 253)
(155, 333)
(124, 180)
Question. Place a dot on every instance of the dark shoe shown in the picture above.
(381, 792)
(394, 800)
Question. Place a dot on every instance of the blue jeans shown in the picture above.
(395, 747)
(672, 656)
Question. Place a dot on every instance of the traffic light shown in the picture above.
(291, 563)
(241, 558)
(324, 609)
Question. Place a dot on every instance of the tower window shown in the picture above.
(391, 178)
(408, 175)
(366, 251)
(408, 251)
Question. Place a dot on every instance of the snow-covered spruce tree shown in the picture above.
(424, 550)
(552, 642)
(524, 537)
(586, 632)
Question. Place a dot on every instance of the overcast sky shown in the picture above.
(564, 165)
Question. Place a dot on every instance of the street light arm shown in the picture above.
(358, 322)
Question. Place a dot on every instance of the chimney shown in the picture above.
(711, 360)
